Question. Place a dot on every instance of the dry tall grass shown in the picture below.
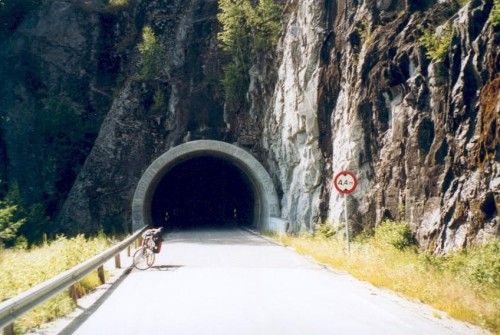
(464, 285)
(22, 269)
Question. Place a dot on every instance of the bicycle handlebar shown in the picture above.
(152, 231)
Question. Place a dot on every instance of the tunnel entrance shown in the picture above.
(201, 184)
(203, 192)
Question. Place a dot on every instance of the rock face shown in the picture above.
(291, 129)
(350, 87)
(138, 128)
(356, 91)
(52, 56)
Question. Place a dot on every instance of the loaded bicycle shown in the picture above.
(144, 257)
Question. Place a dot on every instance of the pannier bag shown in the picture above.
(157, 239)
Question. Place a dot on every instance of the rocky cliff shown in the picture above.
(350, 86)
(357, 91)
(148, 117)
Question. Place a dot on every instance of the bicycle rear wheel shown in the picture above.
(143, 258)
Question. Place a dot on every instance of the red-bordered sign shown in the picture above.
(345, 182)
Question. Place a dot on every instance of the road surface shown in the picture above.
(236, 283)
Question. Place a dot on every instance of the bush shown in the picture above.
(495, 13)
(248, 30)
(153, 55)
(324, 230)
(436, 43)
(235, 82)
(395, 234)
(9, 224)
(118, 3)
(482, 264)
(34, 219)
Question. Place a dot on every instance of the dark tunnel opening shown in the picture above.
(203, 192)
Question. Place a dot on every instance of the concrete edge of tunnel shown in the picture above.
(258, 175)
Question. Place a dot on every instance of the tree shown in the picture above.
(248, 31)
(10, 222)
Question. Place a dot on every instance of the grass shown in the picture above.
(118, 3)
(22, 269)
(465, 285)
(495, 13)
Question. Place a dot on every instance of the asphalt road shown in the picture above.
(236, 283)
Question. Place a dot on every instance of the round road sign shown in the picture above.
(345, 182)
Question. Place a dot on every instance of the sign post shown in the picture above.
(346, 182)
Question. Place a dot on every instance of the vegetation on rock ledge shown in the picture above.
(495, 13)
(437, 43)
(248, 31)
(153, 55)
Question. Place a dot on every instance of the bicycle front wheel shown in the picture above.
(143, 258)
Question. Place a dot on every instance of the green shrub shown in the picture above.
(395, 234)
(9, 224)
(153, 55)
(159, 101)
(34, 218)
(324, 230)
(248, 31)
(363, 30)
(118, 3)
(437, 44)
(235, 82)
(495, 13)
(482, 264)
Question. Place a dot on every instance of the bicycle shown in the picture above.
(144, 257)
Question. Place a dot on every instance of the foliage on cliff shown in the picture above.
(248, 31)
(437, 43)
(495, 13)
(153, 55)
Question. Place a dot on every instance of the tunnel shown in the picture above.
(206, 184)
(203, 192)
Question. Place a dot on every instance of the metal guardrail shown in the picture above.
(15, 307)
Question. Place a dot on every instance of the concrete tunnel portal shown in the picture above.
(206, 184)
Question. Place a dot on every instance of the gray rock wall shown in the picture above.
(356, 91)
(137, 130)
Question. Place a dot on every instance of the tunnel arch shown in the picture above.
(266, 207)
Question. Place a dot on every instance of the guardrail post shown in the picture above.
(76, 291)
(128, 251)
(9, 329)
(100, 274)
(118, 263)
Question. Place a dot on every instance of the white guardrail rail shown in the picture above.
(13, 308)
